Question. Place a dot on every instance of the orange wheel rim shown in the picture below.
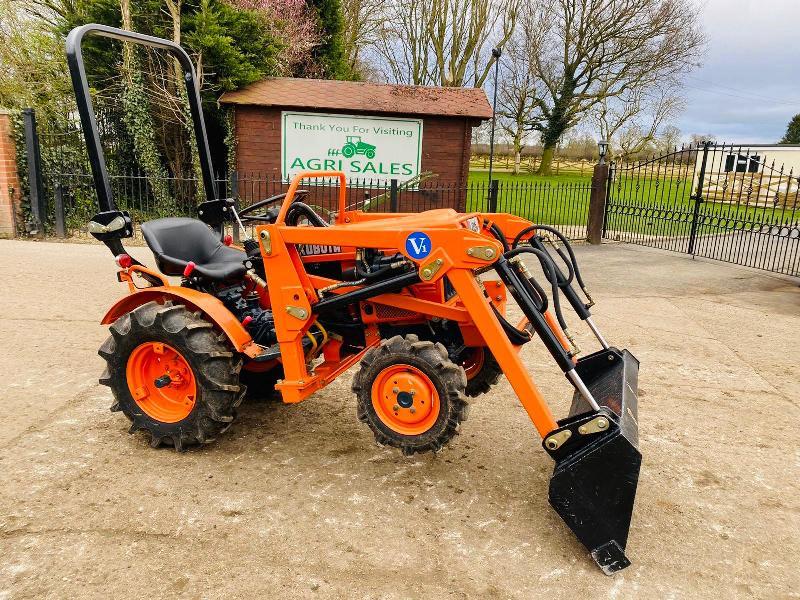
(473, 362)
(405, 399)
(161, 382)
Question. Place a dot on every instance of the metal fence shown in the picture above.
(562, 205)
(725, 202)
(66, 199)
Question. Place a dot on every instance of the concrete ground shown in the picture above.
(297, 501)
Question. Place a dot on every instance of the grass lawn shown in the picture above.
(561, 200)
(506, 178)
(564, 200)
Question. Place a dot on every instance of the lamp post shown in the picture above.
(496, 55)
(602, 150)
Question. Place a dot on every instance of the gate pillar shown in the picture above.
(597, 204)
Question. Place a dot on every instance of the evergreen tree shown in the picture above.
(329, 55)
(792, 131)
(231, 46)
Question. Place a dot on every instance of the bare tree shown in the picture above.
(31, 64)
(517, 93)
(700, 138)
(631, 122)
(597, 49)
(361, 26)
(443, 42)
(294, 24)
(669, 138)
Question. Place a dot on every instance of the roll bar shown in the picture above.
(80, 84)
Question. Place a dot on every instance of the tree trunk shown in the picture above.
(558, 121)
(546, 166)
(517, 150)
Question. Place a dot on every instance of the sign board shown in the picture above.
(365, 148)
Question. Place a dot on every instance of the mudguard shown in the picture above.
(211, 307)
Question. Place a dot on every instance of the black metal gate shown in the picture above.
(739, 204)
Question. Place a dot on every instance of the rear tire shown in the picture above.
(411, 394)
(205, 375)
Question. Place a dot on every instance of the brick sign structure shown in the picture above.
(371, 131)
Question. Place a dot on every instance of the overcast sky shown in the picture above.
(749, 85)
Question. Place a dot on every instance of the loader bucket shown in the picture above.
(597, 464)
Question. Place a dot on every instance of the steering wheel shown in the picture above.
(269, 215)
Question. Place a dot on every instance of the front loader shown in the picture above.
(415, 302)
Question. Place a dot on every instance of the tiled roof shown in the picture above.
(318, 94)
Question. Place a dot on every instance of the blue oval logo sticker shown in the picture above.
(418, 245)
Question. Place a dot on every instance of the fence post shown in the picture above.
(34, 157)
(61, 227)
(235, 196)
(611, 169)
(597, 203)
(698, 198)
(394, 203)
(493, 192)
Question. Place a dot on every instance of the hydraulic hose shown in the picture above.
(569, 262)
(563, 240)
(512, 279)
(307, 211)
(537, 293)
(532, 286)
(549, 269)
(498, 234)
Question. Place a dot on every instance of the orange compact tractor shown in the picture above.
(406, 299)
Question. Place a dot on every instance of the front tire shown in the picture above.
(411, 394)
(172, 375)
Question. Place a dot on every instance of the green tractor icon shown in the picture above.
(354, 146)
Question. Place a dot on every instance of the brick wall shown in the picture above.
(445, 145)
(9, 183)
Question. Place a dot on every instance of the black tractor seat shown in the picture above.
(176, 241)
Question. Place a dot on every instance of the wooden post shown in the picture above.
(597, 204)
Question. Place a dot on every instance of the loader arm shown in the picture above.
(596, 446)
